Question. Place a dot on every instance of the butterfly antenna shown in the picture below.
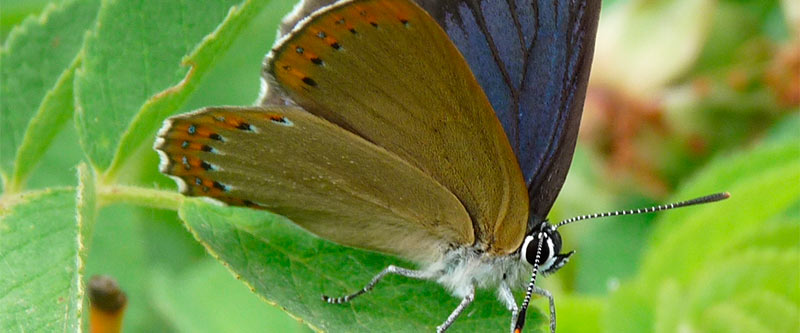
(696, 201)
(521, 315)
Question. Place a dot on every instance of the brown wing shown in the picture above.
(327, 180)
(386, 71)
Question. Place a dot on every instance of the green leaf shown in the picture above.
(629, 309)
(604, 261)
(776, 235)
(722, 174)
(758, 185)
(669, 307)
(235, 78)
(772, 310)
(729, 265)
(55, 112)
(40, 279)
(291, 268)
(169, 247)
(134, 73)
(202, 60)
(86, 206)
(16, 11)
(207, 298)
(579, 314)
(730, 318)
(777, 274)
(36, 90)
(119, 249)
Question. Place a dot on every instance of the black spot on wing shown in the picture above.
(220, 186)
(309, 81)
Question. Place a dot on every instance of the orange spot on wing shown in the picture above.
(204, 131)
(229, 121)
(195, 146)
(297, 63)
(179, 129)
(330, 40)
(194, 162)
(291, 76)
(272, 116)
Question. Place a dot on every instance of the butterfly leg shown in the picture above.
(460, 308)
(505, 295)
(542, 292)
(392, 269)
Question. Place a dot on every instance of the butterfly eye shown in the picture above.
(549, 249)
(528, 249)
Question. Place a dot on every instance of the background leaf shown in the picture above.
(726, 266)
(131, 59)
(129, 262)
(36, 89)
(15, 12)
(202, 59)
(694, 235)
(228, 307)
(40, 287)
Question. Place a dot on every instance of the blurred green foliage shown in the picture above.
(678, 106)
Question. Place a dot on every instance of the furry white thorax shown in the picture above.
(464, 267)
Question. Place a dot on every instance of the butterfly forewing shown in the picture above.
(388, 73)
(327, 180)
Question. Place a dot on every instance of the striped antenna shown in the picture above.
(523, 311)
(696, 201)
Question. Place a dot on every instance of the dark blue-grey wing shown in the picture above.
(532, 58)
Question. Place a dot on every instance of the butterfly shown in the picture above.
(439, 136)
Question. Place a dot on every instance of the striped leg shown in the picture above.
(505, 295)
(545, 293)
(460, 308)
(422, 275)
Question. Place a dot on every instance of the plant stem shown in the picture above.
(161, 199)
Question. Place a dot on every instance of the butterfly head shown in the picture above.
(550, 257)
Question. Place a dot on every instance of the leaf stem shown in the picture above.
(161, 199)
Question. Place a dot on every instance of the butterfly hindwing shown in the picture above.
(327, 180)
